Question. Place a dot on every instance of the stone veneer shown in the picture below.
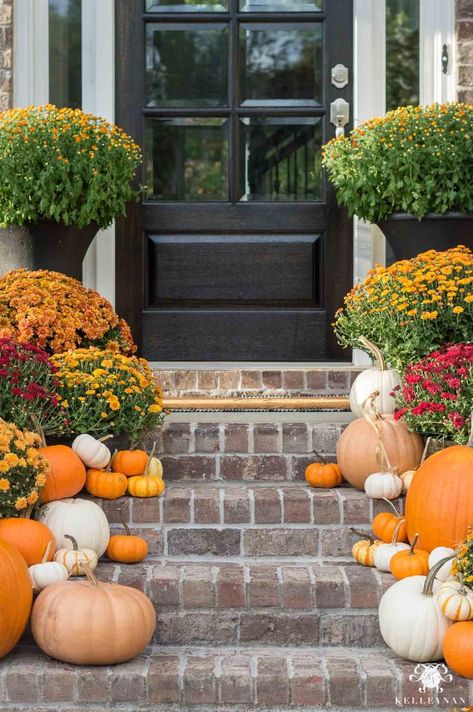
(6, 52)
(464, 22)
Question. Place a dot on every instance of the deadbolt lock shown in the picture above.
(340, 76)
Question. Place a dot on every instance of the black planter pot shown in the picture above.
(407, 236)
(116, 442)
(46, 245)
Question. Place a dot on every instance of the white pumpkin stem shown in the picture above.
(38, 428)
(125, 525)
(428, 589)
(75, 546)
(90, 574)
(104, 438)
(373, 416)
(374, 351)
(150, 457)
(46, 552)
(396, 531)
(365, 535)
(393, 507)
(424, 452)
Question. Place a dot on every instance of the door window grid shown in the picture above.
(281, 150)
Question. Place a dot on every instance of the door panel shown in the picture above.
(238, 251)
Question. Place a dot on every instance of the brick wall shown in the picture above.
(6, 51)
(464, 20)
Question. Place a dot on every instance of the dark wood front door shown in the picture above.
(238, 250)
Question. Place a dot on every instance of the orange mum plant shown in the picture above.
(58, 313)
(23, 470)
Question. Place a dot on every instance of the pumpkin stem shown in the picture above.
(424, 452)
(413, 545)
(75, 546)
(104, 438)
(365, 535)
(470, 439)
(393, 507)
(90, 574)
(320, 458)
(396, 531)
(27, 512)
(373, 416)
(122, 519)
(150, 457)
(374, 351)
(38, 428)
(428, 589)
(46, 552)
(133, 444)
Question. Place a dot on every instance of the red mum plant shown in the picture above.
(437, 393)
(28, 388)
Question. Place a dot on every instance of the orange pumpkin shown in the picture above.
(439, 504)
(358, 445)
(67, 476)
(30, 538)
(126, 548)
(385, 524)
(16, 597)
(410, 562)
(458, 648)
(105, 484)
(130, 462)
(323, 473)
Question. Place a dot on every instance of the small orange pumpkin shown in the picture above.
(31, 538)
(106, 484)
(364, 549)
(130, 462)
(16, 597)
(410, 562)
(323, 473)
(458, 648)
(385, 524)
(67, 476)
(126, 548)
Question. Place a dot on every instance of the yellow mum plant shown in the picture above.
(23, 469)
(412, 307)
(57, 313)
(463, 564)
(106, 392)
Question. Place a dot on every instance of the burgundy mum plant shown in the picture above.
(28, 387)
(437, 393)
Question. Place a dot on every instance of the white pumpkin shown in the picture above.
(411, 621)
(456, 600)
(383, 485)
(80, 518)
(378, 378)
(385, 552)
(441, 552)
(75, 559)
(407, 478)
(154, 467)
(92, 452)
(47, 572)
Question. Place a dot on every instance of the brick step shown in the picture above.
(274, 451)
(250, 604)
(222, 679)
(328, 380)
(242, 520)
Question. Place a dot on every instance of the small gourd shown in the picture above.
(126, 548)
(363, 550)
(440, 552)
(130, 462)
(410, 562)
(146, 485)
(385, 552)
(456, 600)
(47, 572)
(385, 523)
(75, 559)
(92, 452)
(106, 484)
(383, 485)
(323, 473)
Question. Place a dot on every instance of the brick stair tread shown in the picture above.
(218, 679)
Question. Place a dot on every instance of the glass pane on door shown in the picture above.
(402, 52)
(281, 64)
(187, 65)
(186, 5)
(281, 5)
(281, 158)
(65, 53)
(187, 159)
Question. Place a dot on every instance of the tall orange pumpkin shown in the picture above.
(67, 476)
(28, 537)
(16, 597)
(439, 504)
(357, 446)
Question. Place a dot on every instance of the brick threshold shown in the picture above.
(258, 403)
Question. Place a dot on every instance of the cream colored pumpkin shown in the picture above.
(154, 467)
(456, 600)
(80, 518)
(385, 552)
(74, 559)
(47, 572)
(411, 620)
(92, 452)
(383, 485)
(378, 378)
(407, 478)
(441, 552)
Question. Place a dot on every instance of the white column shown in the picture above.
(31, 52)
